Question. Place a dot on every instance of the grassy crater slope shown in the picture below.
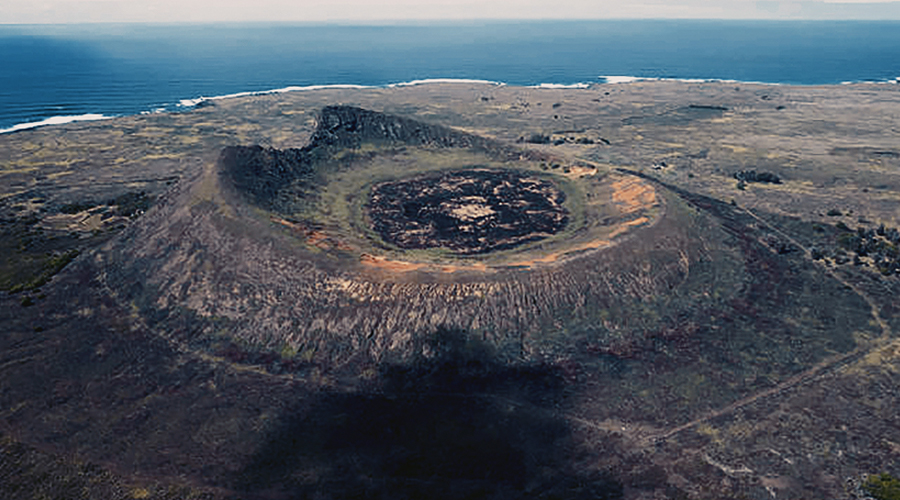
(299, 278)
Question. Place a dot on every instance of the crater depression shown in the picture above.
(467, 212)
(382, 229)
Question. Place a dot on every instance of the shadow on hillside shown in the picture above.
(454, 423)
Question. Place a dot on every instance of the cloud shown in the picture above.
(67, 11)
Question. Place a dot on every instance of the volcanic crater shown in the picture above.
(471, 211)
(382, 229)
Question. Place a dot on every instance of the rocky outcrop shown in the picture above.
(280, 180)
(268, 177)
(349, 127)
(754, 176)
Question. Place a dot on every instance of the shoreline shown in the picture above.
(190, 103)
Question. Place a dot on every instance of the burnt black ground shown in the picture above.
(467, 211)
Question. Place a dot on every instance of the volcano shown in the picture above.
(383, 228)
(330, 301)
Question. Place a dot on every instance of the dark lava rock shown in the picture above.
(281, 180)
(468, 212)
(708, 107)
(538, 139)
(347, 126)
(263, 174)
(754, 176)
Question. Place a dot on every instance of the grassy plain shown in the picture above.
(719, 349)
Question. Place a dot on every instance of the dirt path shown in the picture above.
(833, 362)
(640, 434)
(822, 367)
(885, 328)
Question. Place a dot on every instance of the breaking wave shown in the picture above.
(56, 120)
(192, 102)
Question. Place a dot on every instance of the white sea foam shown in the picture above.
(632, 79)
(623, 79)
(561, 86)
(55, 120)
(443, 80)
(888, 82)
(187, 103)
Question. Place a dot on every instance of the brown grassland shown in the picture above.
(183, 315)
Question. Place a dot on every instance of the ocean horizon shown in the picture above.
(63, 73)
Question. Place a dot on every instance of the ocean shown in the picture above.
(60, 73)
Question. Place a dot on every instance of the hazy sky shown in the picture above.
(72, 11)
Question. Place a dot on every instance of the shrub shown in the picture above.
(883, 486)
(538, 139)
(74, 208)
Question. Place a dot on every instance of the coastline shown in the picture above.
(189, 103)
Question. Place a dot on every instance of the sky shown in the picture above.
(377, 11)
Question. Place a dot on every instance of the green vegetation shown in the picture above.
(883, 486)
(32, 251)
(30, 256)
(879, 245)
(47, 267)
(538, 139)
(129, 204)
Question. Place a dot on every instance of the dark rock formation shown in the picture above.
(538, 139)
(346, 126)
(280, 180)
(266, 176)
(707, 107)
(754, 176)
(468, 212)
(865, 153)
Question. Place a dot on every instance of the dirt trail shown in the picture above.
(640, 435)
(833, 362)
(885, 328)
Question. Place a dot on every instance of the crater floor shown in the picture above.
(468, 211)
